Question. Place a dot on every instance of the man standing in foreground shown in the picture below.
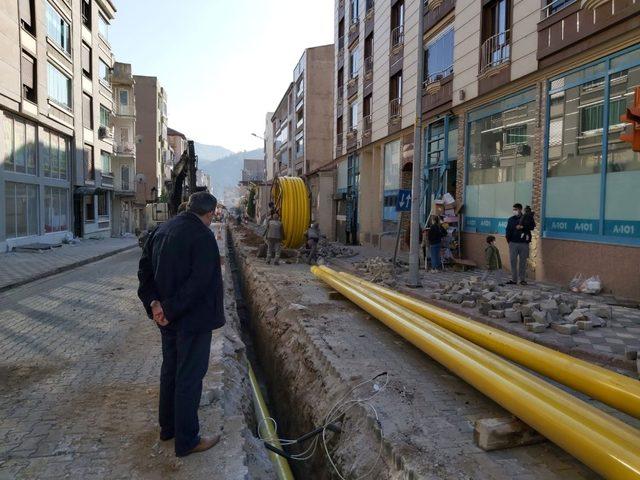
(181, 289)
(519, 228)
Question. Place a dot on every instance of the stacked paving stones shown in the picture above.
(334, 250)
(380, 270)
(537, 309)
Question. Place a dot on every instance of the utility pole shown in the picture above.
(416, 190)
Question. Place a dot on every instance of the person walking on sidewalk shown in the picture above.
(181, 289)
(493, 260)
(435, 234)
(273, 235)
(519, 228)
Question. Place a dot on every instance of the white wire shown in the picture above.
(338, 410)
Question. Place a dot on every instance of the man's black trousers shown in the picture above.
(185, 359)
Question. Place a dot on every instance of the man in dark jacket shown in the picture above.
(519, 228)
(181, 289)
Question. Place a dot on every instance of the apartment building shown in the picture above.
(303, 132)
(152, 149)
(521, 102)
(127, 214)
(268, 139)
(55, 106)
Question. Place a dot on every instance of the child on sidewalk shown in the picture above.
(493, 260)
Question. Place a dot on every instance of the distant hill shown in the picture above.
(226, 171)
(211, 152)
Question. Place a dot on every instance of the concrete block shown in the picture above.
(456, 298)
(528, 308)
(539, 316)
(564, 309)
(565, 328)
(484, 307)
(468, 304)
(603, 311)
(498, 433)
(594, 319)
(512, 315)
(497, 305)
(631, 352)
(496, 313)
(536, 327)
(584, 324)
(577, 315)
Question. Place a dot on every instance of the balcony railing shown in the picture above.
(125, 148)
(367, 123)
(397, 37)
(125, 110)
(341, 42)
(395, 109)
(495, 51)
(554, 7)
(368, 66)
(437, 76)
(107, 179)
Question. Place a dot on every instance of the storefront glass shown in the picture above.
(499, 161)
(391, 180)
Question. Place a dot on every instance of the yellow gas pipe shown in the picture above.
(292, 201)
(609, 387)
(602, 442)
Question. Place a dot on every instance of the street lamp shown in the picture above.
(258, 136)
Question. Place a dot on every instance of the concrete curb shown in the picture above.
(65, 268)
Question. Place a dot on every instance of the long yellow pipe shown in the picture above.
(605, 444)
(609, 387)
(283, 471)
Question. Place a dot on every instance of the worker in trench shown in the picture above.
(310, 247)
(181, 290)
(273, 235)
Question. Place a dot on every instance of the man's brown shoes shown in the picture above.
(205, 444)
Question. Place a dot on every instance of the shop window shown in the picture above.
(56, 209)
(103, 205)
(583, 126)
(89, 208)
(20, 146)
(499, 161)
(21, 209)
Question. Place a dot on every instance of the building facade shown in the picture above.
(55, 106)
(521, 102)
(152, 149)
(127, 214)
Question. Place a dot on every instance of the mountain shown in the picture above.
(211, 152)
(226, 171)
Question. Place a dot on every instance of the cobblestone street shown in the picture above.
(79, 373)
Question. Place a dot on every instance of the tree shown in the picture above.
(251, 203)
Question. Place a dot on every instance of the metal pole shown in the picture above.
(414, 243)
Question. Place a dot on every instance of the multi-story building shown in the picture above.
(177, 143)
(55, 105)
(203, 180)
(127, 214)
(253, 170)
(521, 102)
(152, 149)
(269, 154)
(302, 130)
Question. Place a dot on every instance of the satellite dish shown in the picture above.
(138, 138)
(140, 178)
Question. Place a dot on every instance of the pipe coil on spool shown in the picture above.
(290, 197)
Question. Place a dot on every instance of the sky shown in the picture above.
(223, 63)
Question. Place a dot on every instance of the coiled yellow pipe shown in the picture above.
(602, 442)
(609, 387)
(290, 197)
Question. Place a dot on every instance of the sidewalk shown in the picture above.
(18, 268)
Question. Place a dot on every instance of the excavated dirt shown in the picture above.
(314, 348)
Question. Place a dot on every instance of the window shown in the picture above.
(56, 209)
(353, 9)
(58, 29)
(104, 72)
(21, 209)
(354, 63)
(87, 111)
(397, 24)
(440, 166)
(368, 51)
(395, 87)
(300, 118)
(86, 60)
(105, 159)
(439, 57)
(554, 6)
(89, 163)
(300, 87)
(103, 27)
(582, 139)
(55, 154)
(58, 87)
(341, 82)
(500, 161)
(103, 205)
(341, 34)
(26, 16)
(366, 105)
(89, 209)
(20, 146)
(105, 116)
(339, 129)
(124, 98)
(86, 13)
(299, 146)
(124, 173)
(353, 116)
(496, 24)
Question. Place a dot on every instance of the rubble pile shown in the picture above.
(380, 270)
(538, 309)
(334, 250)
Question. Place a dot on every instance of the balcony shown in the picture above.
(354, 31)
(437, 92)
(395, 111)
(369, 9)
(368, 68)
(495, 53)
(339, 143)
(352, 138)
(105, 132)
(124, 149)
(397, 38)
(367, 123)
(567, 27)
(125, 110)
(436, 10)
(340, 97)
(107, 179)
(352, 86)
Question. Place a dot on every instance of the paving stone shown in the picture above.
(499, 433)
(512, 315)
(496, 313)
(536, 327)
(468, 304)
(565, 328)
(576, 315)
(539, 316)
(603, 311)
(584, 324)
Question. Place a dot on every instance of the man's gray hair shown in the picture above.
(201, 203)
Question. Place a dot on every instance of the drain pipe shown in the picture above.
(604, 443)
(262, 413)
(614, 389)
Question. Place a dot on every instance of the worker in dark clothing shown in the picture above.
(181, 289)
(519, 228)
(435, 234)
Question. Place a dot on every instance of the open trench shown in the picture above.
(299, 384)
